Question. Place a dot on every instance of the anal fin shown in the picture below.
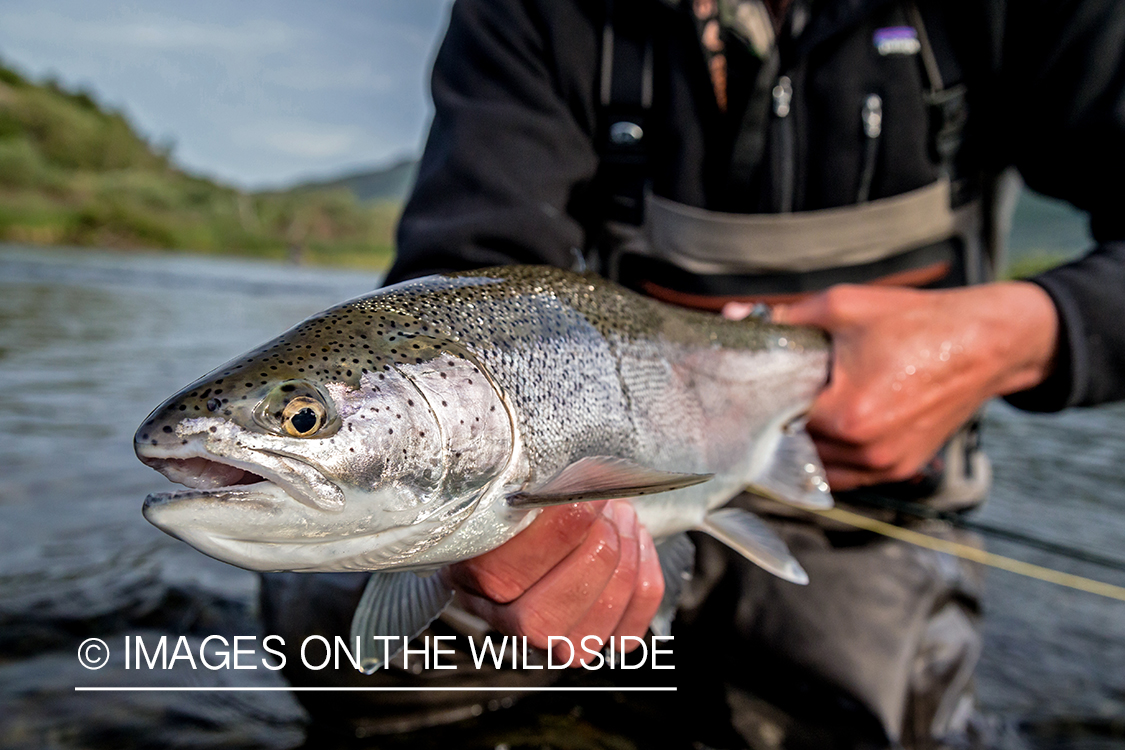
(397, 604)
(748, 535)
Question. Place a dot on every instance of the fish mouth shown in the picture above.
(214, 476)
(202, 473)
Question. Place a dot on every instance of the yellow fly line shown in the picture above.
(966, 552)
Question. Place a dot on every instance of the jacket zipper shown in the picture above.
(871, 118)
(783, 124)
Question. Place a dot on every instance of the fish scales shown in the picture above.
(589, 367)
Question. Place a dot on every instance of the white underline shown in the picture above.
(490, 689)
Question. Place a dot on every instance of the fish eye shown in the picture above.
(303, 416)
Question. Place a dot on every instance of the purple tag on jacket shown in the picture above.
(897, 40)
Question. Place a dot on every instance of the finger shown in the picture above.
(606, 612)
(831, 309)
(503, 574)
(842, 478)
(865, 469)
(647, 594)
(737, 310)
(806, 312)
(557, 601)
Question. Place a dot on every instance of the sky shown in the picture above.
(257, 94)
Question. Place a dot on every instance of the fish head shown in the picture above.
(354, 441)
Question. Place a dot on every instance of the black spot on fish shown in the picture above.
(166, 428)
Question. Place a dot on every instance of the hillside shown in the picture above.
(390, 184)
(75, 173)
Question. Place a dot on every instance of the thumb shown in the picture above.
(807, 312)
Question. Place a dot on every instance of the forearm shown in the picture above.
(1089, 295)
(1019, 326)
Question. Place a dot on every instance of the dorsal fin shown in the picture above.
(601, 478)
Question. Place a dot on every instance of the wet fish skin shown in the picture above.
(446, 397)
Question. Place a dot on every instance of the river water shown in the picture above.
(91, 341)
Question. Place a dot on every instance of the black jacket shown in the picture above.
(508, 174)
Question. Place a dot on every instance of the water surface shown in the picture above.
(91, 341)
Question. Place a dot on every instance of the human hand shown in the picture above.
(909, 367)
(581, 569)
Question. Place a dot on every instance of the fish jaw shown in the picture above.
(255, 505)
(266, 503)
(259, 527)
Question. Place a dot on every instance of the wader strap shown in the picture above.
(625, 99)
(947, 105)
(709, 242)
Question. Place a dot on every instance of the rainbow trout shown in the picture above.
(427, 423)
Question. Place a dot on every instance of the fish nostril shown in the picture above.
(213, 404)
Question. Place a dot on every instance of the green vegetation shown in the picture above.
(1033, 263)
(73, 173)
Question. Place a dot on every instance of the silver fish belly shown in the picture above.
(426, 423)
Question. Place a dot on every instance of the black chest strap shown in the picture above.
(625, 104)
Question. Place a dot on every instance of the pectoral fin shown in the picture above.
(746, 534)
(601, 478)
(397, 605)
(795, 474)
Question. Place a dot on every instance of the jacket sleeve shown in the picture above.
(510, 148)
(1063, 103)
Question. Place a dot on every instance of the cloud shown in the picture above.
(155, 33)
(310, 140)
(255, 91)
(358, 76)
